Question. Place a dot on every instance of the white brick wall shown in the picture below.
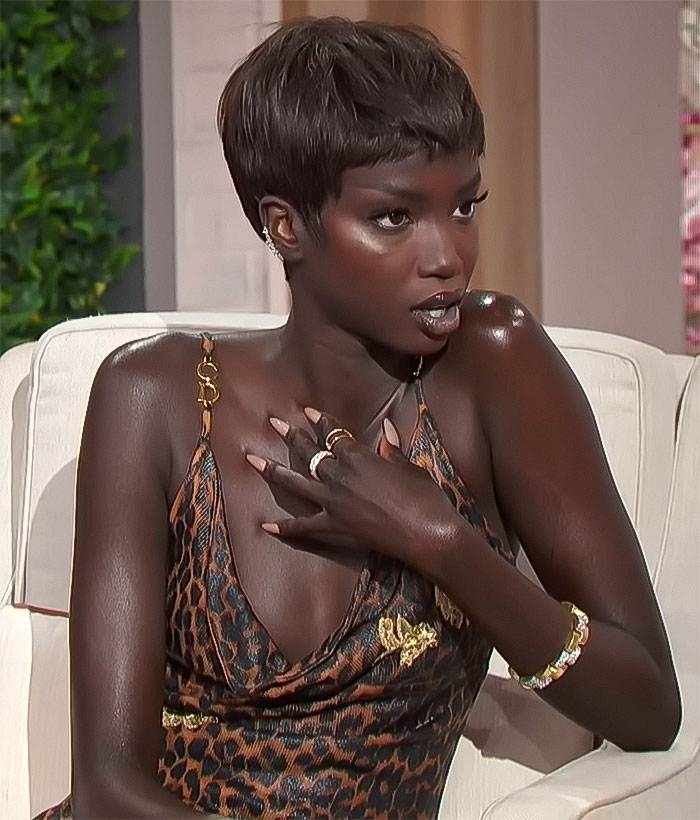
(219, 262)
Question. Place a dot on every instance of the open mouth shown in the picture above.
(439, 315)
(438, 321)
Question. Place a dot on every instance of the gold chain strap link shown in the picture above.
(207, 374)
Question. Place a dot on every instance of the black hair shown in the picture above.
(320, 96)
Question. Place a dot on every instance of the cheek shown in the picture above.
(473, 246)
(360, 240)
(367, 262)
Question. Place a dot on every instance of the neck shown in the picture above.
(325, 367)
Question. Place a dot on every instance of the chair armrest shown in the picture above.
(15, 682)
(604, 777)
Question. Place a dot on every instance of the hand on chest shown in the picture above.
(299, 596)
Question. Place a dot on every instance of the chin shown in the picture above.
(421, 345)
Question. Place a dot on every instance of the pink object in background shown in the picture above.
(690, 228)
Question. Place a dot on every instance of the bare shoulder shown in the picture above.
(161, 370)
(512, 367)
(500, 340)
(150, 362)
(139, 385)
(496, 324)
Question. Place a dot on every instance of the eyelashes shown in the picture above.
(395, 218)
(471, 204)
(399, 217)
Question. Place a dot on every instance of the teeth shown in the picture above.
(437, 313)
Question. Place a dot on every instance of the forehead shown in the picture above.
(419, 173)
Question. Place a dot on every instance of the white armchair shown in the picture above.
(520, 758)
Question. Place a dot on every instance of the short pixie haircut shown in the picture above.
(320, 96)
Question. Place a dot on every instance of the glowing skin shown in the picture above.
(509, 411)
(399, 233)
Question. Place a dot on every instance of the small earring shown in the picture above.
(271, 245)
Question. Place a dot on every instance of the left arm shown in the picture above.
(555, 489)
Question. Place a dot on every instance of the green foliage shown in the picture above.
(60, 239)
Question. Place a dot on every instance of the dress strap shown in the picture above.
(418, 384)
(207, 373)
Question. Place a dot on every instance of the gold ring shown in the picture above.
(336, 435)
(315, 460)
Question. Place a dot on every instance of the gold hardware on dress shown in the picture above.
(451, 613)
(190, 720)
(207, 374)
(411, 641)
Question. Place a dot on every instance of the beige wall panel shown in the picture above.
(507, 87)
(220, 262)
(611, 176)
(458, 26)
(354, 9)
(294, 8)
(398, 12)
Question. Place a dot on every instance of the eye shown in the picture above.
(467, 209)
(392, 219)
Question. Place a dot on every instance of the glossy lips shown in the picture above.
(439, 315)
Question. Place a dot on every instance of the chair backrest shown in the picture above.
(678, 569)
(14, 387)
(514, 736)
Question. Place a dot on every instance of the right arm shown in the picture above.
(117, 623)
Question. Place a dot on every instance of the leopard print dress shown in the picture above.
(365, 726)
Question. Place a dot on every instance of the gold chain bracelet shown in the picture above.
(566, 658)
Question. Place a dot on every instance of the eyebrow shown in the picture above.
(406, 193)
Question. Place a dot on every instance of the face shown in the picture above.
(398, 251)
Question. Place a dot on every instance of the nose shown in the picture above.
(439, 253)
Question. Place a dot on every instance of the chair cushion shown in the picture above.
(632, 389)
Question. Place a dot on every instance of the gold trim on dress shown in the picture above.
(451, 613)
(190, 720)
(207, 374)
(411, 641)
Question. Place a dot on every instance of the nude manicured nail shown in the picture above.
(391, 433)
(311, 414)
(281, 426)
(257, 462)
(271, 528)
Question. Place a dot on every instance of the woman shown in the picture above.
(324, 586)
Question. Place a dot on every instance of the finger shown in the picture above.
(302, 449)
(295, 437)
(279, 426)
(280, 476)
(342, 546)
(390, 443)
(309, 526)
(324, 424)
(391, 433)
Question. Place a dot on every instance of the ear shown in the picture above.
(285, 226)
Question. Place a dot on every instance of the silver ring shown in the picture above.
(316, 459)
